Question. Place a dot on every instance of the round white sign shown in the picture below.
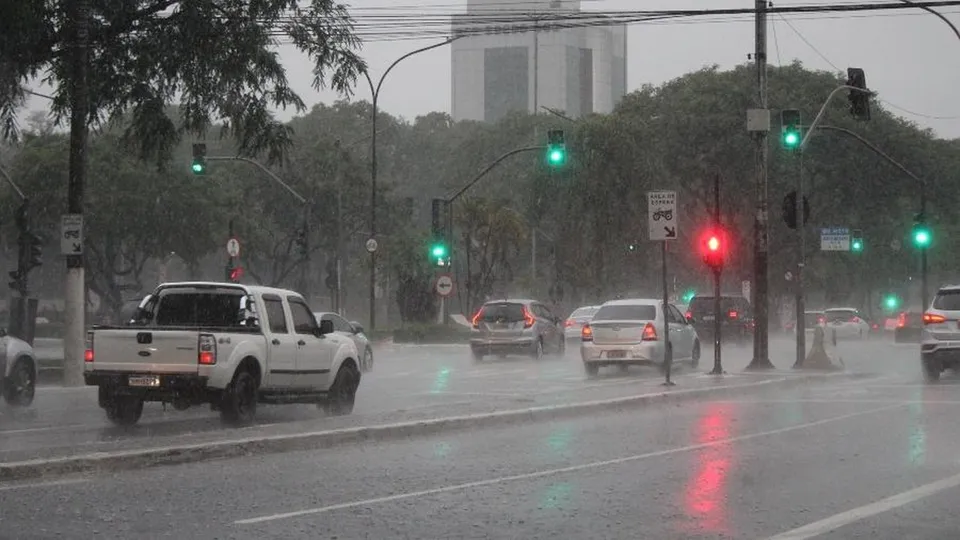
(233, 247)
(444, 285)
(371, 245)
(788, 276)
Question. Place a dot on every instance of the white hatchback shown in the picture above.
(625, 332)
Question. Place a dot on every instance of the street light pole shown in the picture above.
(374, 100)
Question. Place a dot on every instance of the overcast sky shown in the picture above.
(911, 58)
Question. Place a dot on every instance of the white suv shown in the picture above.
(940, 337)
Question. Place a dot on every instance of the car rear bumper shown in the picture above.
(646, 352)
(489, 346)
(172, 386)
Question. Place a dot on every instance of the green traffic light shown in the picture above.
(791, 139)
(556, 156)
(891, 302)
(856, 245)
(688, 296)
(439, 251)
(922, 237)
(197, 167)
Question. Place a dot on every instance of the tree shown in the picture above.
(215, 58)
(136, 214)
(492, 234)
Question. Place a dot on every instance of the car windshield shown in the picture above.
(584, 313)
(626, 312)
(502, 312)
(947, 300)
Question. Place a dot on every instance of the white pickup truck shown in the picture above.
(225, 344)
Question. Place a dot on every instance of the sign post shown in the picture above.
(444, 288)
(662, 225)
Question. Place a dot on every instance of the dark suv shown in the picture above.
(736, 318)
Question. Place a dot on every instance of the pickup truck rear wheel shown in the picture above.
(124, 410)
(239, 402)
(343, 391)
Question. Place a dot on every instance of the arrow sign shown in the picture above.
(444, 285)
(671, 232)
(77, 248)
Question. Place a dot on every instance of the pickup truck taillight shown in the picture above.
(207, 350)
(88, 348)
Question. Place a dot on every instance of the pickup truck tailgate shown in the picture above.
(145, 351)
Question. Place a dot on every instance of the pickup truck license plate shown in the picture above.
(144, 380)
(616, 354)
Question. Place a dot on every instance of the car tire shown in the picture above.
(238, 405)
(695, 356)
(124, 411)
(343, 392)
(367, 361)
(932, 367)
(476, 356)
(19, 387)
(537, 352)
(591, 369)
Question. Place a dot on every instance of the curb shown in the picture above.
(191, 453)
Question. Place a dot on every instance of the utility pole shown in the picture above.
(801, 325)
(761, 355)
(74, 286)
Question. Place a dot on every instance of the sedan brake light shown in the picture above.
(901, 320)
(933, 318)
(586, 333)
(88, 348)
(649, 332)
(568, 323)
(733, 314)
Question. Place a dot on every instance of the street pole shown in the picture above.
(667, 348)
(374, 101)
(338, 296)
(717, 341)
(923, 251)
(761, 356)
(801, 325)
(305, 266)
(74, 286)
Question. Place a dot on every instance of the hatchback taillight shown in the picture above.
(528, 319)
(207, 350)
(586, 333)
(568, 323)
(649, 332)
(88, 348)
(476, 319)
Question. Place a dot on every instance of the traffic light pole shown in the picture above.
(667, 346)
(717, 364)
(801, 324)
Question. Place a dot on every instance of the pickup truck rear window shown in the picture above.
(199, 309)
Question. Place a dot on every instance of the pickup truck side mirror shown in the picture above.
(357, 327)
(326, 327)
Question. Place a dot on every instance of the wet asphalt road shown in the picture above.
(871, 458)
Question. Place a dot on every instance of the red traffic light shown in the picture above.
(713, 248)
(236, 274)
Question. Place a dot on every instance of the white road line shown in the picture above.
(37, 485)
(48, 428)
(553, 472)
(834, 522)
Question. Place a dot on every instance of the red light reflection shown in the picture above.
(705, 495)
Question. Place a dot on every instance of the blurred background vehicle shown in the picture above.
(505, 327)
(574, 323)
(736, 318)
(354, 331)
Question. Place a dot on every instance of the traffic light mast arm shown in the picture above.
(816, 121)
(260, 166)
(13, 184)
(490, 167)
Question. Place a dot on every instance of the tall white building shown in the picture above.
(575, 70)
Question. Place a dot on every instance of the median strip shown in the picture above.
(187, 453)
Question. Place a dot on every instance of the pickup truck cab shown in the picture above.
(225, 344)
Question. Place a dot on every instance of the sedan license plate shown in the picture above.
(616, 354)
(150, 381)
(708, 317)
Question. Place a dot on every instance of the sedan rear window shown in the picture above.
(583, 313)
(505, 312)
(840, 315)
(947, 300)
(626, 313)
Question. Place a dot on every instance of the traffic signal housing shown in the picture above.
(439, 254)
(789, 209)
(713, 248)
(556, 148)
(791, 133)
(439, 251)
(891, 302)
(922, 237)
(199, 164)
(860, 98)
(856, 241)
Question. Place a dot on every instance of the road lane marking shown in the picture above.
(48, 428)
(38, 485)
(842, 519)
(553, 472)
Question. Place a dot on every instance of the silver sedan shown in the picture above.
(354, 331)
